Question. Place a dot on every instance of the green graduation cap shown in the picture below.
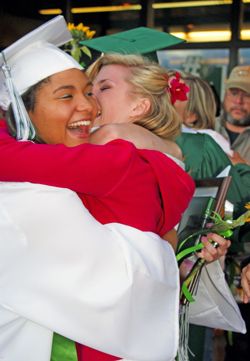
(142, 40)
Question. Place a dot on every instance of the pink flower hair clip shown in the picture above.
(178, 90)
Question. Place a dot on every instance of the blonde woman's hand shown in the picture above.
(211, 253)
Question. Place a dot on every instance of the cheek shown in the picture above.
(181, 108)
(106, 105)
(46, 122)
(103, 99)
(115, 107)
(227, 104)
(247, 108)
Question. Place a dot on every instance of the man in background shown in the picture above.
(234, 123)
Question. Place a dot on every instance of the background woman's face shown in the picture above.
(180, 107)
(64, 109)
(114, 95)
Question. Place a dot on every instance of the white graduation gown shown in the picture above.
(111, 287)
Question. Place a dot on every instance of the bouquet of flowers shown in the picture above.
(214, 224)
(79, 33)
(222, 227)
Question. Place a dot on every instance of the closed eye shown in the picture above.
(103, 88)
(66, 96)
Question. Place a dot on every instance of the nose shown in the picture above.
(239, 98)
(85, 104)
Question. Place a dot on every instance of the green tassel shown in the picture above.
(63, 349)
(230, 337)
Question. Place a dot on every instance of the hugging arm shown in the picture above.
(139, 136)
(83, 168)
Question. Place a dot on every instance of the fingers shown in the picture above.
(215, 247)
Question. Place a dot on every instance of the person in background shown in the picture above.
(199, 116)
(234, 125)
(234, 122)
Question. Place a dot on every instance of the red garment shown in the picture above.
(116, 182)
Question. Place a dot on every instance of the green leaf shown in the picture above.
(189, 250)
(86, 51)
(188, 295)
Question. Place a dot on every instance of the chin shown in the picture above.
(76, 142)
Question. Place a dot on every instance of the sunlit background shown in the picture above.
(217, 32)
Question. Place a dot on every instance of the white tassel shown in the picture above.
(183, 349)
(183, 333)
(24, 127)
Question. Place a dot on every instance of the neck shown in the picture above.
(235, 128)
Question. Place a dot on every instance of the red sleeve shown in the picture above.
(87, 168)
(176, 187)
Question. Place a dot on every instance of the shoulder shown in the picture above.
(203, 157)
(191, 141)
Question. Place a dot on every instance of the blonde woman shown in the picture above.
(125, 78)
(199, 110)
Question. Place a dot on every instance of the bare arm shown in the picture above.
(139, 136)
(171, 238)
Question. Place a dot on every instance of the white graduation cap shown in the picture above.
(31, 59)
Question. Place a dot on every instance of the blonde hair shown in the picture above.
(201, 101)
(148, 80)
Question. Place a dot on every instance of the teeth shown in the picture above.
(80, 123)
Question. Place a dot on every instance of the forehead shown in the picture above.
(69, 76)
(113, 72)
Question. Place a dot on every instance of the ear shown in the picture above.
(141, 107)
